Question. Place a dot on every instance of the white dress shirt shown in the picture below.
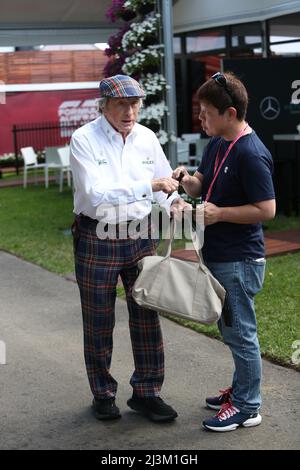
(112, 179)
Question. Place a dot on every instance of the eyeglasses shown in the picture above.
(220, 79)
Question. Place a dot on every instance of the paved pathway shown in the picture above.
(45, 398)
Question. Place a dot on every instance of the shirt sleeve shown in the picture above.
(256, 177)
(85, 171)
(163, 169)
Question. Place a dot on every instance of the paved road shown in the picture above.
(45, 398)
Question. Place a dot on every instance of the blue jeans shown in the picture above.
(242, 280)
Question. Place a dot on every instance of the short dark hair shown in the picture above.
(222, 97)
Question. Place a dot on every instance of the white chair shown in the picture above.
(58, 158)
(31, 163)
(200, 146)
(64, 157)
(191, 138)
(53, 161)
(183, 151)
(52, 157)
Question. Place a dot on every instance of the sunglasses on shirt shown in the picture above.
(220, 79)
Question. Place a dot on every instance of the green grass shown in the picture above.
(32, 224)
(32, 221)
(277, 309)
(12, 175)
(282, 222)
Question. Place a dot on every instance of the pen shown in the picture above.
(181, 175)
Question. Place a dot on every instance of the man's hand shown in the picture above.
(167, 185)
(178, 206)
(212, 213)
(177, 173)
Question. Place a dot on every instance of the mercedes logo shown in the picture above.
(269, 107)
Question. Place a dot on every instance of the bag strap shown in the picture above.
(197, 244)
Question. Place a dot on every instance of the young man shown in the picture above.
(235, 181)
(118, 168)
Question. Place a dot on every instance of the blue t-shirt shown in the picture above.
(245, 178)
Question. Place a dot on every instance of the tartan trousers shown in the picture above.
(98, 263)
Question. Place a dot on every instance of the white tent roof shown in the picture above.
(34, 22)
(192, 15)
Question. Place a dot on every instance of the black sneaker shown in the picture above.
(106, 409)
(153, 408)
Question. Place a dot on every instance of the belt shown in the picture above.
(120, 230)
(89, 220)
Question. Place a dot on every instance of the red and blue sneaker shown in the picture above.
(215, 403)
(230, 418)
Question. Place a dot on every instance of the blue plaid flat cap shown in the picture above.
(120, 86)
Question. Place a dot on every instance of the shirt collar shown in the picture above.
(110, 132)
(107, 128)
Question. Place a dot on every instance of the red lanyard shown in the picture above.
(218, 166)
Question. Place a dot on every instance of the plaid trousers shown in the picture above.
(98, 263)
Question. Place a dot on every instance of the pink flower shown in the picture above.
(115, 9)
(115, 41)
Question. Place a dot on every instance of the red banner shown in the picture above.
(44, 106)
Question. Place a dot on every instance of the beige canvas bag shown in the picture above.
(178, 287)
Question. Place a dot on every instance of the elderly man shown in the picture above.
(118, 164)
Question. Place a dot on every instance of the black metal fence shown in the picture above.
(41, 135)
